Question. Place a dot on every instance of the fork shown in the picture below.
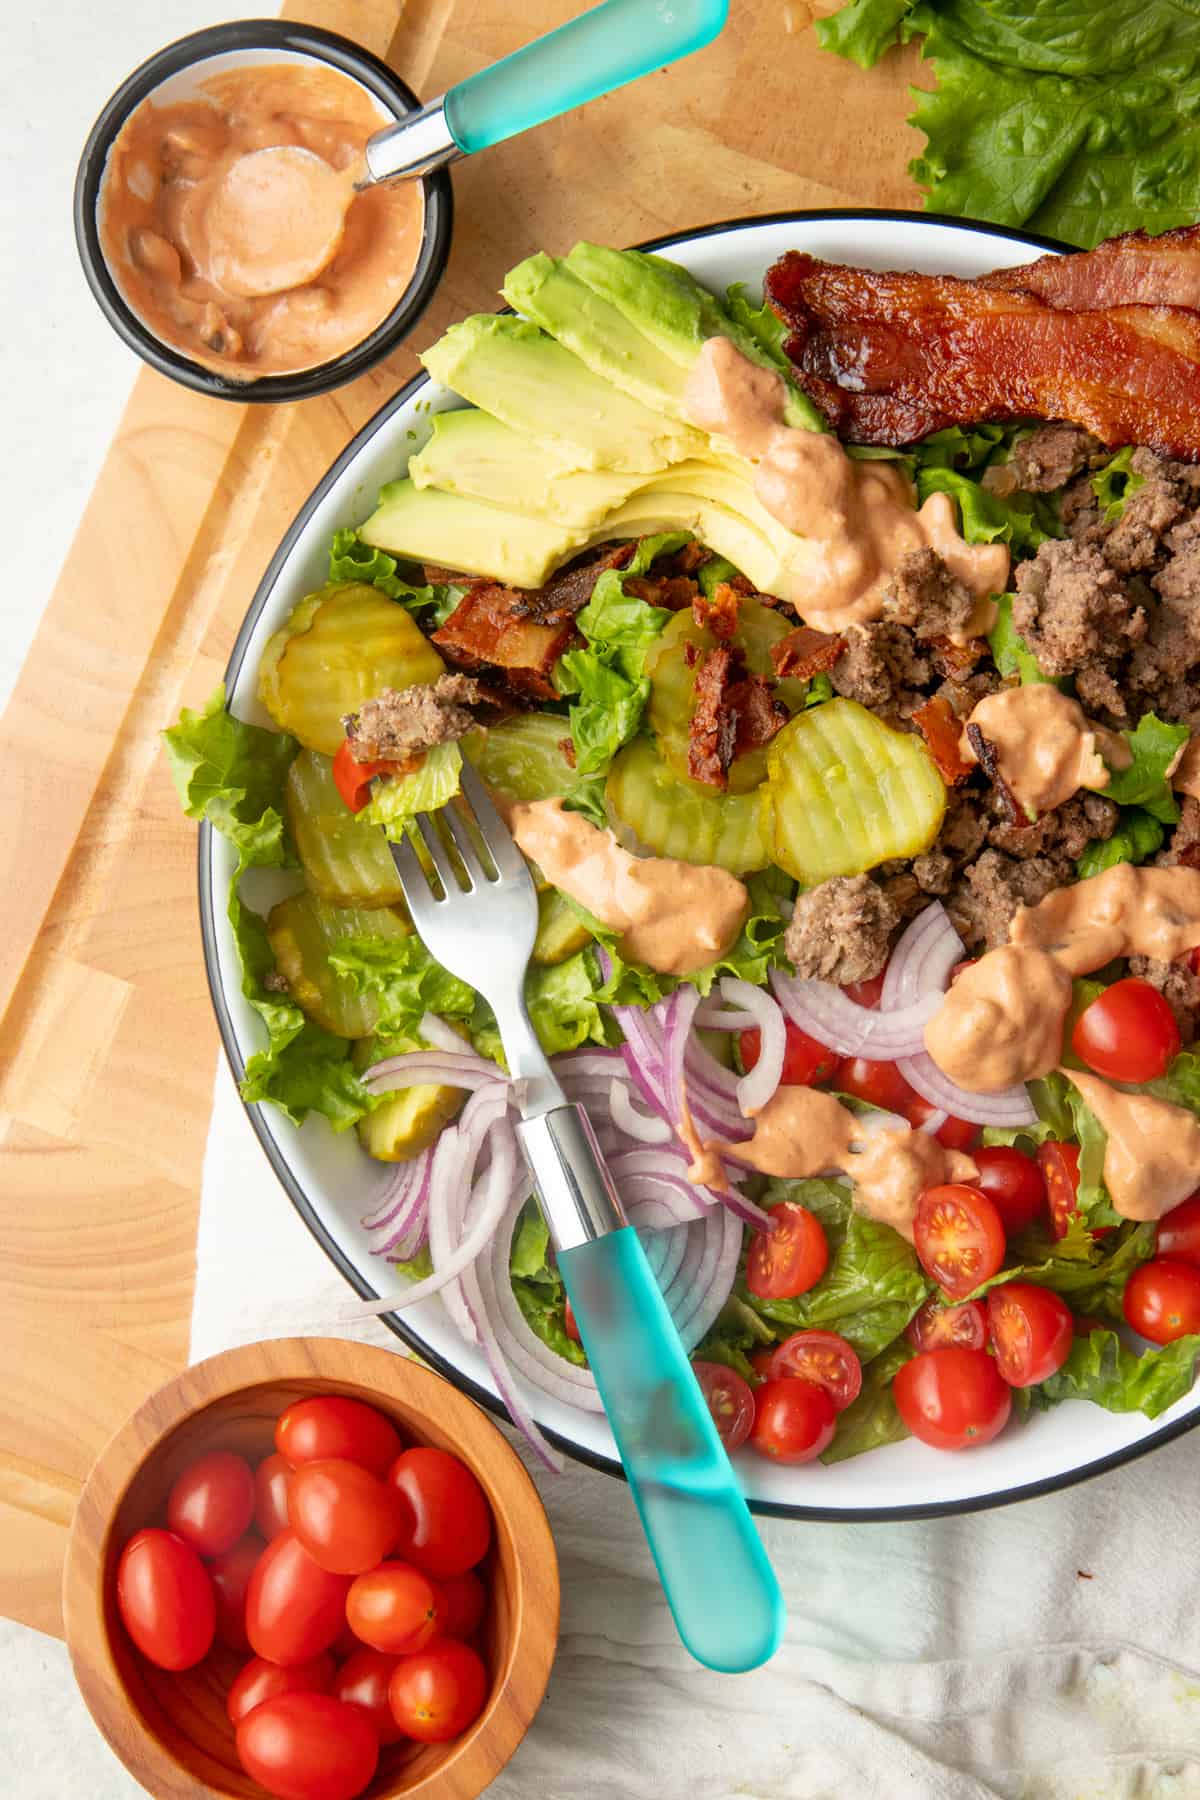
(481, 926)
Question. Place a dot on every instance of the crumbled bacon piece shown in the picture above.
(693, 556)
(804, 653)
(718, 612)
(758, 716)
(712, 731)
(489, 627)
(989, 761)
(952, 661)
(691, 654)
(941, 730)
(672, 591)
(567, 746)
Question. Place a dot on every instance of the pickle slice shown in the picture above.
(522, 758)
(561, 932)
(673, 684)
(669, 815)
(341, 646)
(302, 931)
(408, 1120)
(345, 860)
(845, 792)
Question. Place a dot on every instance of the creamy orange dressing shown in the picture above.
(803, 1131)
(1125, 911)
(674, 916)
(857, 518)
(1046, 746)
(215, 246)
(1152, 1157)
(1185, 775)
(1002, 1020)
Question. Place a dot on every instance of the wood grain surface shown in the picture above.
(108, 1043)
(171, 1730)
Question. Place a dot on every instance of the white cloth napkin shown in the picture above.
(1045, 1651)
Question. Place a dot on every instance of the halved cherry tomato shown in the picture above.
(879, 1082)
(959, 1237)
(270, 1495)
(793, 1420)
(822, 1357)
(259, 1681)
(308, 1747)
(332, 1426)
(346, 1518)
(165, 1599)
(790, 1256)
(294, 1607)
(936, 1325)
(212, 1503)
(1013, 1182)
(465, 1601)
(438, 1692)
(230, 1576)
(1059, 1164)
(447, 1526)
(730, 1401)
(1179, 1231)
(1128, 1033)
(1031, 1331)
(396, 1608)
(570, 1325)
(866, 993)
(1162, 1300)
(955, 1134)
(952, 1398)
(363, 1681)
(806, 1063)
(353, 779)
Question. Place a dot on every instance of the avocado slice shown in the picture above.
(597, 332)
(666, 304)
(429, 525)
(517, 372)
(474, 454)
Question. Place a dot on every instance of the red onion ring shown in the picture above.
(1009, 1108)
(825, 1013)
(755, 1089)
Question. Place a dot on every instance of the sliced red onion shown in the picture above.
(721, 1018)
(418, 1068)
(720, 1283)
(1009, 1108)
(838, 1022)
(755, 1089)
(647, 1128)
(925, 953)
(677, 1030)
(533, 1360)
(933, 1122)
(664, 1251)
(398, 1191)
(441, 1036)
(506, 1387)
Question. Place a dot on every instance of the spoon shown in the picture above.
(276, 216)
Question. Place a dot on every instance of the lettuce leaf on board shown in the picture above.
(1076, 119)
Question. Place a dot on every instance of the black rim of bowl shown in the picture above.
(261, 1124)
(198, 46)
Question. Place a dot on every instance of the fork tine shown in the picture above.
(456, 824)
(413, 878)
(491, 826)
(436, 846)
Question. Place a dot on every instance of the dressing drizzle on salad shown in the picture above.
(1046, 746)
(1153, 1148)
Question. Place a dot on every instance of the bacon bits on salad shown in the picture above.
(888, 1045)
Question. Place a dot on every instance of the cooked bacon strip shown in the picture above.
(804, 653)
(757, 716)
(989, 762)
(568, 591)
(717, 612)
(939, 726)
(489, 628)
(890, 358)
(676, 592)
(952, 661)
(1133, 270)
(712, 730)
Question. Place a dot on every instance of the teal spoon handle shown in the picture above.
(601, 50)
(719, 1584)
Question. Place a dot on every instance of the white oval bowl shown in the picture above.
(332, 1181)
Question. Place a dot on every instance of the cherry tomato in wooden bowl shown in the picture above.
(171, 1726)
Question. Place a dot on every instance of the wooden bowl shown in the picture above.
(171, 1731)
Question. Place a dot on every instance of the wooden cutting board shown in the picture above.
(108, 1044)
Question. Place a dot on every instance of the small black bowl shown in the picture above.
(227, 41)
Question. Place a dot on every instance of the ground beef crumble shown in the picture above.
(400, 724)
(841, 930)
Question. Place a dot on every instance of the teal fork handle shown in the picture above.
(601, 50)
(714, 1571)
